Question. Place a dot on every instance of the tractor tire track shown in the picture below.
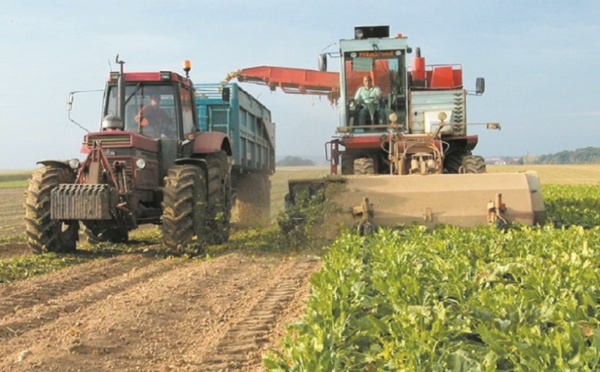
(241, 347)
(152, 314)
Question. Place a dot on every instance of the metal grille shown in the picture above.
(113, 140)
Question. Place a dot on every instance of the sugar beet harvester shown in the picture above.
(164, 155)
(404, 153)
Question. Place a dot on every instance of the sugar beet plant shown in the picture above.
(568, 205)
(452, 299)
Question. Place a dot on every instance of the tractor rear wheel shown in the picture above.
(184, 209)
(364, 166)
(473, 164)
(43, 233)
(219, 197)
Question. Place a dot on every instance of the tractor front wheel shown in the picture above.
(43, 233)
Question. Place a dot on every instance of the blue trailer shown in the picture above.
(229, 109)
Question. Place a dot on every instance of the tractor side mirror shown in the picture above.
(70, 102)
(323, 62)
(479, 86)
(226, 94)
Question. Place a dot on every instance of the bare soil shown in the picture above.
(136, 311)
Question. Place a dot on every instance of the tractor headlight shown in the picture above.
(74, 163)
(140, 163)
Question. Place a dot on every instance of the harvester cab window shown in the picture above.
(385, 70)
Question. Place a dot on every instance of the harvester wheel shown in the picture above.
(347, 164)
(253, 199)
(43, 233)
(473, 164)
(454, 162)
(184, 209)
(364, 166)
(219, 197)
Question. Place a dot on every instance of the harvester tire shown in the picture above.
(219, 197)
(473, 164)
(347, 164)
(43, 233)
(184, 209)
(253, 199)
(454, 162)
(364, 166)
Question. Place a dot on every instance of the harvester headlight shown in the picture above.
(442, 116)
(393, 118)
(74, 163)
(140, 163)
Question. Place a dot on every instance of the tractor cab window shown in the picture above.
(375, 88)
(187, 110)
(149, 109)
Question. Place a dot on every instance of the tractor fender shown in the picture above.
(197, 162)
(194, 161)
(57, 163)
(209, 142)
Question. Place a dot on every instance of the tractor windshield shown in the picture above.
(149, 109)
(375, 84)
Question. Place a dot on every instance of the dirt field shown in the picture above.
(137, 311)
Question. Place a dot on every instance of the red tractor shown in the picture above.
(148, 163)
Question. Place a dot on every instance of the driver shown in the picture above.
(368, 96)
(154, 119)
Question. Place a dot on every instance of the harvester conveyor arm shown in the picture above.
(292, 80)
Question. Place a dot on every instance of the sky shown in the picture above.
(540, 60)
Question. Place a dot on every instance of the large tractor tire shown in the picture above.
(97, 233)
(185, 209)
(473, 164)
(43, 233)
(364, 166)
(253, 199)
(454, 162)
(219, 197)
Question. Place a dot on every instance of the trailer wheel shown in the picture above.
(253, 198)
(473, 164)
(43, 233)
(364, 166)
(184, 209)
(219, 197)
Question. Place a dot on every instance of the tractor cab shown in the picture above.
(157, 105)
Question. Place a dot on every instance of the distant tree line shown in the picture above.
(586, 155)
(294, 161)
